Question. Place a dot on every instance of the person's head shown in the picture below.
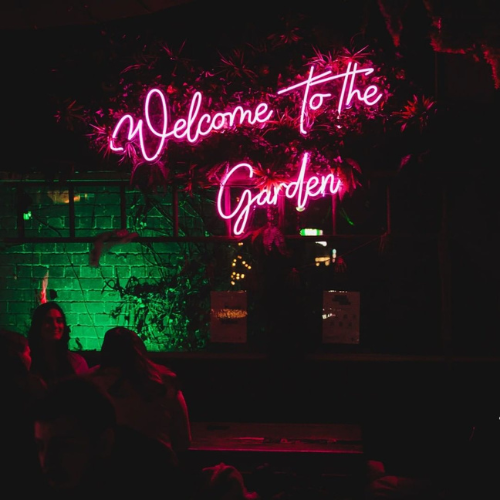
(14, 351)
(74, 429)
(48, 323)
(225, 482)
(123, 348)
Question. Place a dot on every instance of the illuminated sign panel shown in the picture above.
(152, 136)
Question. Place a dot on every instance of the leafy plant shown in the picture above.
(172, 312)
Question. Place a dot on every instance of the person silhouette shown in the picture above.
(19, 391)
(49, 336)
(83, 452)
(147, 398)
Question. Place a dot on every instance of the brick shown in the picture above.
(123, 272)
(85, 210)
(106, 272)
(93, 344)
(17, 307)
(112, 206)
(57, 222)
(63, 284)
(29, 271)
(46, 247)
(116, 222)
(102, 319)
(16, 284)
(56, 271)
(56, 259)
(110, 307)
(140, 272)
(84, 223)
(23, 258)
(88, 344)
(89, 272)
(68, 295)
(79, 259)
(131, 247)
(95, 307)
(91, 283)
(73, 248)
(26, 295)
(103, 223)
(94, 295)
(14, 249)
(155, 273)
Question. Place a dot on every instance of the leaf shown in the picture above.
(404, 161)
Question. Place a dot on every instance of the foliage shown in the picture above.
(249, 71)
(416, 112)
(172, 311)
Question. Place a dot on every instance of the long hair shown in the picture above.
(39, 363)
(124, 349)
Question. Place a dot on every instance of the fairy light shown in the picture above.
(242, 267)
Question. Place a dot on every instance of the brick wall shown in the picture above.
(78, 287)
(399, 286)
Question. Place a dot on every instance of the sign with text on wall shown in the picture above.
(228, 316)
(340, 317)
(149, 137)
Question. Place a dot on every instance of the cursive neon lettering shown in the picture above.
(301, 189)
(153, 137)
(153, 131)
(242, 210)
(370, 96)
(189, 129)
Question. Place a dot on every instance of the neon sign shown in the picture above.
(152, 136)
(190, 128)
(370, 96)
(300, 189)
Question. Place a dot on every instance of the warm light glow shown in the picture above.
(230, 313)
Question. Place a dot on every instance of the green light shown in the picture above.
(307, 231)
(346, 217)
(27, 215)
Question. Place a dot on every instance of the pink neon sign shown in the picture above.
(197, 124)
(153, 132)
(190, 128)
(370, 96)
(301, 189)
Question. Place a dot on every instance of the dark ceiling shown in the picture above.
(33, 14)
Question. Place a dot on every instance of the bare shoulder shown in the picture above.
(78, 362)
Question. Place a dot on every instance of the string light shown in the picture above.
(237, 275)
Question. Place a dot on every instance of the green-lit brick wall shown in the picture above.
(81, 290)
(84, 291)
